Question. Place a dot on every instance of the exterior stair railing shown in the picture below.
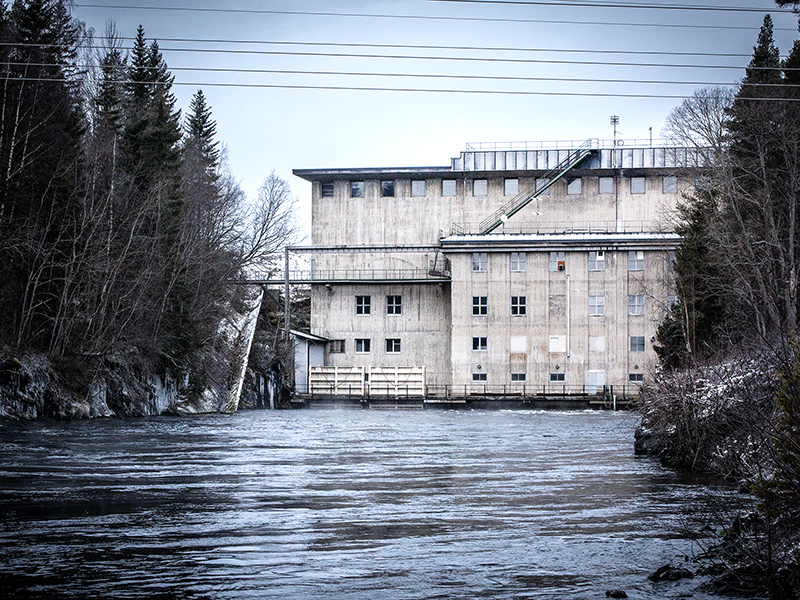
(519, 201)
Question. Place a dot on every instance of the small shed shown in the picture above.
(309, 351)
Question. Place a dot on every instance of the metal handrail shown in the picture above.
(312, 275)
(565, 227)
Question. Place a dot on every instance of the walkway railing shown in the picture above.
(347, 275)
(562, 227)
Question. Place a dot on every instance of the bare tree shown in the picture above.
(700, 122)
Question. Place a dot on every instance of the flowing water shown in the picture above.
(343, 504)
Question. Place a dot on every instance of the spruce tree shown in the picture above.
(201, 130)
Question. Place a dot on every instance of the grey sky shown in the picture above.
(278, 129)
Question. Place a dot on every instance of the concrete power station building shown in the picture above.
(519, 268)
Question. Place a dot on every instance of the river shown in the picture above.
(342, 504)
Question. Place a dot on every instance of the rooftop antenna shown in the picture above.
(614, 122)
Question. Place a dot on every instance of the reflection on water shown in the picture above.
(340, 504)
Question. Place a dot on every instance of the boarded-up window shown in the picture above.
(597, 343)
(418, 188)
(511, 187)
(558, 305)
(574, 186)
(480, 187)
(606, 185)
(448, 187)
(637, 185)
(670, 185)
(558, 343)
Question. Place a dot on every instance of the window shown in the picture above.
(511, 187)
(635, 376)
(558, 261)
(480, 261)
(574, 186)
(669, 185)
(363, 345)
(479, 377)
(519, 306)
(636, 305)
(541, 184)
(597, 260)
(480, 305)
(327, 189)
(637, 343)
(392, 345)
(519, 377)
(356, 189)
(448, 187)
(418, 188)
(637, 185)
(554, 377)
(672, 300)
(363, 305)
(394, 305)
(606, 185)
(597, 306)
(336, 346)
(480, 187)
(518, 262)
(387, 189)
(480, 344)
(636, 260)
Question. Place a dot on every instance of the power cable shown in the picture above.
(617, 5)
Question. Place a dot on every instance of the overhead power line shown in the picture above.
(617, 5)
(415, 90)
(571, 22)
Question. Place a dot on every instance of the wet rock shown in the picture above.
(616, 594)
(670, 573)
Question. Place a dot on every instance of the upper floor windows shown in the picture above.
(480, 187)
(511, 187)
(480, 305)
(597, 260)
(394, 305)
(518, 262)
(558, 261)
(637, 185)
(327, 189)
(519, 306)
(448, 187)
(356, 189)
(363, 305)
(636, 304)
(636, 260)
(418, 188)
(597, 306)
(387, 188)
(480, 261)
(574, 186)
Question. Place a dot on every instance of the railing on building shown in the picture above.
(355, 386)
(566, 227)
(348, 275)
(570, 144)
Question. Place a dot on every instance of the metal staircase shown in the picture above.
(519, 201)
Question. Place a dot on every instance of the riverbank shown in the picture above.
(737, 419)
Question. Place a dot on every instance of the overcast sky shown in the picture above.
(280, 128)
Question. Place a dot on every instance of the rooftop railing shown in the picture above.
(570, 144)
(565, 227)
(345, 275)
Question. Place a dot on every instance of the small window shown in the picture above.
(574, 186)
(558, 261)
(637, 185)
(480, 187)
(363, 305)
(448, 187)
(518, 262)
(480, 305)
(394, 305)
(519, 377)
(480, 261)
(327, 190)
(636, 260)
(356, 189)
(479, 377)
(672, 257)
(541, 184)
(480, 344)
(597, 306)
(392, 345)
(636, 305)
(606, 185)
(336, 346)
(519, 306)
(418, 188)
(635, 376)
(387, 189)
(672, 300)
(511, 187)
(597, 260)
(637, 343)
(670, 185)
(363, 345)
(555, 377)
